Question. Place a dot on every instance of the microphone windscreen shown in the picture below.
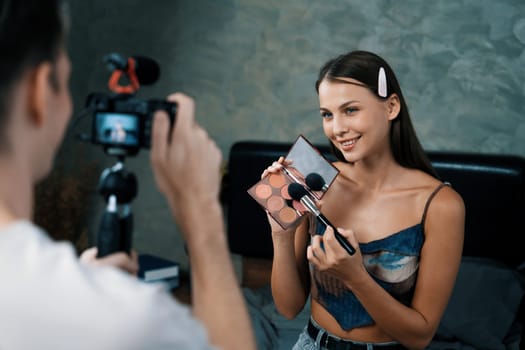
(147, 70)
(296, 191)
(115, 61)
(315, 181)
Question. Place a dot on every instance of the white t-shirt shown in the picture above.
(49, 300)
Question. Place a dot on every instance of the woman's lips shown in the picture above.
(348, 145)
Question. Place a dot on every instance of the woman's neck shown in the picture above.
(374, 173)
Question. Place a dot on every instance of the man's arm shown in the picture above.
(186, 164)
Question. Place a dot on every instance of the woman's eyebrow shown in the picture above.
(341, 106)
(346, 104)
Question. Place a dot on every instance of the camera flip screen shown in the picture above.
(117, 129)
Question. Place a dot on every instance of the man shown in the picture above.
(50, 300)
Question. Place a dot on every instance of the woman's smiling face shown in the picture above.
(354, 118)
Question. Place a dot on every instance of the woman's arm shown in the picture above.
(290, 277)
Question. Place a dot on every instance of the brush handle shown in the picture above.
(340, 238)
(310, 205)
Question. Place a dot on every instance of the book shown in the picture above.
(169, 283)
(153, 268)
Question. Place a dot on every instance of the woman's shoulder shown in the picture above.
(439, 192)
(443, 204)
(447, 200)
(439, 195)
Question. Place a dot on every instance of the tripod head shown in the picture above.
(119, 182)
(119, 188)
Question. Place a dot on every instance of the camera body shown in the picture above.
(122, 122)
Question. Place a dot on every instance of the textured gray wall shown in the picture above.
(251, 66)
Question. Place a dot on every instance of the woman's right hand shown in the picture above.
(276, 167)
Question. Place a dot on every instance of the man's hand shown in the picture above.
(186, 161)
(121, 260)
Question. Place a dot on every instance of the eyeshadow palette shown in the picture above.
(271, 192)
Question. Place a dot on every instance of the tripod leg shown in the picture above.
(108, 239)
(126, 229)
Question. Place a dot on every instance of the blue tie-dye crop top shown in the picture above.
(392, 261)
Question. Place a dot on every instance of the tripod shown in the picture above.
(119, 188)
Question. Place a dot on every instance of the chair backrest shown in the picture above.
(492, 186)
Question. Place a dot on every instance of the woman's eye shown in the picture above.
(350, 110)
(326, 115)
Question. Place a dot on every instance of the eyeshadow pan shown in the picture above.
(299, 206)
(275, 203)
(263, 191)
(287, 215)
(277, 180)
(284, 192)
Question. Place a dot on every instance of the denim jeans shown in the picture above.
(305, 342)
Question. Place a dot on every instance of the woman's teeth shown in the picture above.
(349, 142)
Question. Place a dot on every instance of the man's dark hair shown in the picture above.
(31, 32)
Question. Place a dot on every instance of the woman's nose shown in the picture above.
(339, 125)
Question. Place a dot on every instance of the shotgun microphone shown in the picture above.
(146, 69)
(299, 193)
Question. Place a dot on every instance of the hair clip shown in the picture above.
(381, 83)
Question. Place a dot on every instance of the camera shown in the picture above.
(122, 123)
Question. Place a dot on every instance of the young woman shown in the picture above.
(406, 225)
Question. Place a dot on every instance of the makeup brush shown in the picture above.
(316, 182)
(299, 193)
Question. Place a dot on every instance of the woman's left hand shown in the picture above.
(328, 256)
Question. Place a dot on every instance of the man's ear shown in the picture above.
(393, 106)
(39, 91)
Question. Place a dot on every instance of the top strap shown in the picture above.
(432, 195)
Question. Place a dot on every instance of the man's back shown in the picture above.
(48, 300)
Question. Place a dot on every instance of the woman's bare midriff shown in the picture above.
(370, 333)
